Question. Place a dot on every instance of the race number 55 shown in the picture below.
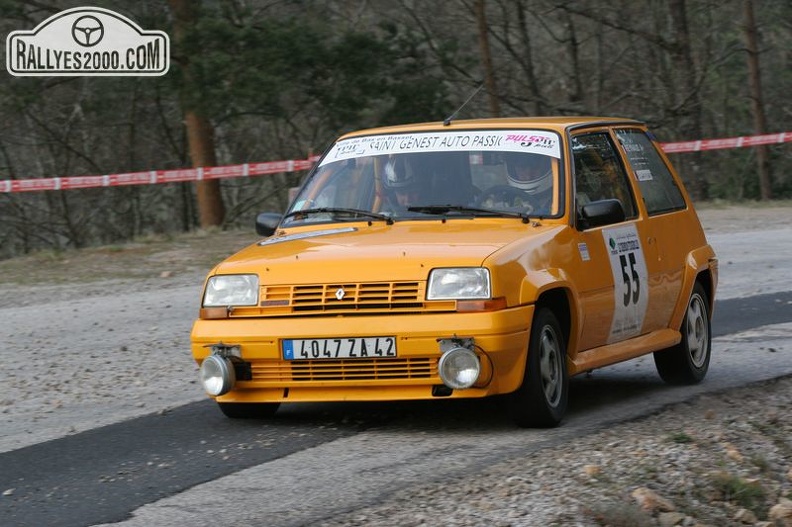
(632, 280)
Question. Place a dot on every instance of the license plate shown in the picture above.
(341, 348)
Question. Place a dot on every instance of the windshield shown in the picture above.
(424, 175)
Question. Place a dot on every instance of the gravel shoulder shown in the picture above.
(78, 328)
(720, 460)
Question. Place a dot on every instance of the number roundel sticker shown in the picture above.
(630, 280)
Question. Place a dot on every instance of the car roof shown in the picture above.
(559, 124)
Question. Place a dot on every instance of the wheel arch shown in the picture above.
(701, 266)
(559, 301)
(552, 287)
(705, 279)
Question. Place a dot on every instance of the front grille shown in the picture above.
(345, 298)
(345, 370)
(329, 296)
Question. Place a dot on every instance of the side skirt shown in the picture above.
(622, 351)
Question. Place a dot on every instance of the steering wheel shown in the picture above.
(504, 196)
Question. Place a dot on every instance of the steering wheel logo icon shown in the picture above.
(87, 31)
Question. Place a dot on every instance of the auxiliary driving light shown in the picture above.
(459, 368)
(217, 375)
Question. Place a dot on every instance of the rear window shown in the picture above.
(660, 191)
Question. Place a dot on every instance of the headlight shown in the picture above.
(459, 283)
(231, 290)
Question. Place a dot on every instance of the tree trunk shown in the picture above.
(200, 132)
(573, 45)
(486, 58)
(757, 102)
(539, 103)
(689, 103)
(200, 139)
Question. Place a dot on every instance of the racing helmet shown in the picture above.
(398, 174)
(532, 173)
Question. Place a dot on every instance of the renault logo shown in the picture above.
(339, 294)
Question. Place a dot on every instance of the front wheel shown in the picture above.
(541, 400)
(688, 361)
(249, 410)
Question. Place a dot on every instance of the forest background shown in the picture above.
(262, 80)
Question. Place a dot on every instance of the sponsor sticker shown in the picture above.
(87, 41)
(631, 281)
(584, 252)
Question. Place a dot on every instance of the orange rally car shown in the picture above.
(464, 259)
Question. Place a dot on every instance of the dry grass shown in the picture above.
(195, 252)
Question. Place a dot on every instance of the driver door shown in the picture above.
(614, 285)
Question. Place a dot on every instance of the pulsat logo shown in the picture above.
(87, 41)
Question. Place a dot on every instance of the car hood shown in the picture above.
(404, 251)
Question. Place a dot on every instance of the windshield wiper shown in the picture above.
(336, 210)
(445, 209)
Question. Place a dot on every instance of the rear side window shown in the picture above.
(660, 191)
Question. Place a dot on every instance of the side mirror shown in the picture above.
(267, 222)
(602, 212)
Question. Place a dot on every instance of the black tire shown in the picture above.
(688, 361)
(249, 410)
(541, 400)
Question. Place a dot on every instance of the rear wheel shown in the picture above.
(541, 400)
(249, 410)
(688, 361)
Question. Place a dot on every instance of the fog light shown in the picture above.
(217, 375)
(459, 368)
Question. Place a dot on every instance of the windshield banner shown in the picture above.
(531, 141)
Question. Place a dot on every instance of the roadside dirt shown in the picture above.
(146, 258)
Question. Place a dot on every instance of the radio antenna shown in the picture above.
(451, 117)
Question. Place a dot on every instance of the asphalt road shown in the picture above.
(102, 475)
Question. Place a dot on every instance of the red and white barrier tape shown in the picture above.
(274, 167)
(157, 176)
(729, 142)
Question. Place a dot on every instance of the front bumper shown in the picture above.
(500, 340)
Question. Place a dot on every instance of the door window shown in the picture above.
(599, 173)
